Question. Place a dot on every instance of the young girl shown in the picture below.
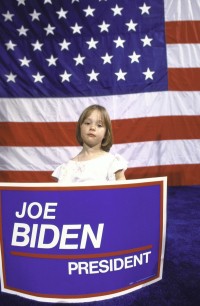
(94, 162)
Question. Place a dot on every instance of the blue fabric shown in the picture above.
(181, 276)
(53, 46)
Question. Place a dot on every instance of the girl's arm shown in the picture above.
(119, 175)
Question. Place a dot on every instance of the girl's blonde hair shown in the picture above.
(108, 139)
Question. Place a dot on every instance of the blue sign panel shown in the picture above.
(81, 243)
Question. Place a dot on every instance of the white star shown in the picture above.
(120, 75)
(146, 41)
(38, 77)
(47, 1)
(144, 9)
(104, 26)
(8, 16)
(24, 61)
(148, 74)
(131, 25)
(11, 77)
(79, 59)
(89, 11)
(76, 28)
(65, 76)
(35, 15)
(75, 1)
(49, 30)
(10, 45)
(92, 43)
(119, 42)
(107, 58)
(52, 61)
(22, 31)
(134, 57)
(21, 2)
(64, 45)
(117, 10)
(37, 46)
(62, 13)
(93, 75)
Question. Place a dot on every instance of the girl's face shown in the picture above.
(93, 129)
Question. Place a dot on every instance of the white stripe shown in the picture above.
(119, 107)
(165, 152)
(142, 154)
(183, 55)
(182, 10)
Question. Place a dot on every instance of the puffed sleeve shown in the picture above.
(118, 163)
(57, 172)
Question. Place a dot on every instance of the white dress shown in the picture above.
(102, 168)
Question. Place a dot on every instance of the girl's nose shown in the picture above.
(92, 127)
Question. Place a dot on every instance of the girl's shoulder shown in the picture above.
(81, 158)
(111, 157)
(113, 161)
(60, 169)
(119, 161)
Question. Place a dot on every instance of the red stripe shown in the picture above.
(82, 256)
(178, 175)
(125, 131)
(156, 128)
(37, 134)
(184, 79)
(182, 32)
(26, 176)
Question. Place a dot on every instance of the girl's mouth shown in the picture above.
(91, 135)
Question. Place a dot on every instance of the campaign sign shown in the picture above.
(81, 243)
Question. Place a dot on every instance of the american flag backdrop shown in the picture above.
(138, 58)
